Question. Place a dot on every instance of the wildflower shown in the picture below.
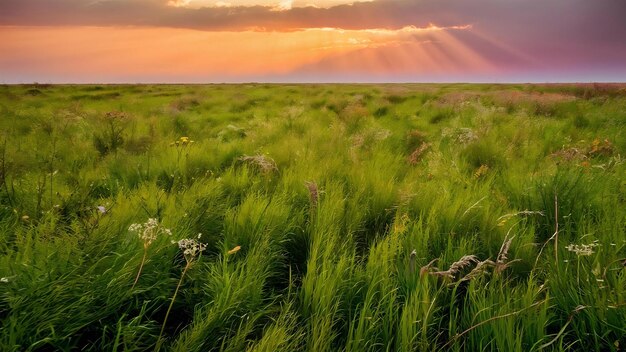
(600, 148)
(182, 142)
(4, 280)
(582, 249)
(25, 217)
(463, 135)
(147, 232)
(101, 209)
(191, 248)
(234, 250)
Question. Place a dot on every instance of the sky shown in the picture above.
(215, 41)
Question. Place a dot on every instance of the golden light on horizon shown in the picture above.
(165, 53)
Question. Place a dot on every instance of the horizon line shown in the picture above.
(303, 82)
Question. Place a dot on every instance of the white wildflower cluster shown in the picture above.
(583, 249)
(461, 135)
(149, 231)
(191, 247)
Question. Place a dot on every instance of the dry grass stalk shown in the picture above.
(479, 270)
(556, 229)
(569, 154)
(504, 218)
(262, 162)
(456, 267)
(313, 192)
(475, 205)
(412, 261)
(554, 237)
(481, 171)
(502, 260)
(457, 336)
(418, 153)
(428, 268)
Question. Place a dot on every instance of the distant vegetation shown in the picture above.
(313, 218)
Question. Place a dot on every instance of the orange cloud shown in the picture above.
(187, 55)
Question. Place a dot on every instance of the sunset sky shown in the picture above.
(196, 41)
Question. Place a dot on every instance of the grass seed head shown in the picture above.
(429, 268)
(313, 192)
(419, 152)
(455, 267)
(262, 162)
(479, 270)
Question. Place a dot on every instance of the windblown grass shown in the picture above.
(333, 217)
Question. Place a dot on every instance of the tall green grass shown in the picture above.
(336, 217)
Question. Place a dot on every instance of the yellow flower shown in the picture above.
(234, 250)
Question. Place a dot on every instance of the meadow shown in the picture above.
(408, 217)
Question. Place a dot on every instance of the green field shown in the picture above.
(333, 217)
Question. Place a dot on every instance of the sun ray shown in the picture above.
(204, 54)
